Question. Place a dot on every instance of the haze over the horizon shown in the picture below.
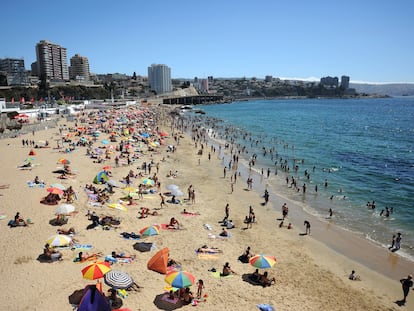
(366, 40)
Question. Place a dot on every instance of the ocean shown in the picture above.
(362, 149)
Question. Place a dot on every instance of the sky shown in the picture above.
(368, 40)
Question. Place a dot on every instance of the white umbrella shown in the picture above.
(177, 192)
(64, 209)
(172, 187)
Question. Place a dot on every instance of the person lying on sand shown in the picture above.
(208, 250)
(86, 256)
(114, 254)
(70, 231)
(185, 212)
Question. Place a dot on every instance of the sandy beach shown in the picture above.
(311, 272)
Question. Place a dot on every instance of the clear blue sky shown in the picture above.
(369, 40)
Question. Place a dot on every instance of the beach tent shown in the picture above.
(159, 261)
(143, 246)
(101, 178)
(93, 300)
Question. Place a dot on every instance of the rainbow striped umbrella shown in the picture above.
(179, 279)
(96, 270)
(263, 261)
(151, 230)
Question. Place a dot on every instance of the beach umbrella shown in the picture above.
(64, 209)
(177, 192)
(179, 279)
(118, 206)
(58, 240)
(172, 187)
(148, 231)
(96, 270)
(54, 190)
(130, 189)
(263, 261)
(63, 161)
(118, 279)
(59, 186)
(147, 182)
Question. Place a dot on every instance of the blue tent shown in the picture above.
(93, 300)
(101, 178)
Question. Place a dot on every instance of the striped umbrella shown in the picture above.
(179, 279)
(263, 261)
(58, 240)
(118, 279)
(151, 230)
(96, 270)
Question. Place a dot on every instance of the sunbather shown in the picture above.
(51, 254)
(208, 250)
(122, 255)
(19, 221)
(70, 231)
(84, 257)
(227, 270)
(265, 281)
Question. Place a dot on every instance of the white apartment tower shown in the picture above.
(159, 78)
(52, 61)
(79, 68)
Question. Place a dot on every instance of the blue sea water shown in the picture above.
(363, 149)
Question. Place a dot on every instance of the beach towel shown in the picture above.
(207, 256)
(32, 184)
(81, 247)
(217, 275)
(168, 299)
(265, 307)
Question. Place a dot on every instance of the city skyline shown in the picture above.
(369, 41)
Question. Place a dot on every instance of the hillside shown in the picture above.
(392, 89)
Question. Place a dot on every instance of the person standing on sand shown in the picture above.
(307, 227)
(406, 284)
(162, 203)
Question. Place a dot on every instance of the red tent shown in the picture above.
(159, 261)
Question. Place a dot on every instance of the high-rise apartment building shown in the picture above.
(345, 82)
(15, 71)
(159, 78)
(79, 68)
(52, 61)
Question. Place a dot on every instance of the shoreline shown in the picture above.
(335, 237)
(304, 271)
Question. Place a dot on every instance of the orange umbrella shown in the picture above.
(106, 167)
(55, 190)
(96, 270)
